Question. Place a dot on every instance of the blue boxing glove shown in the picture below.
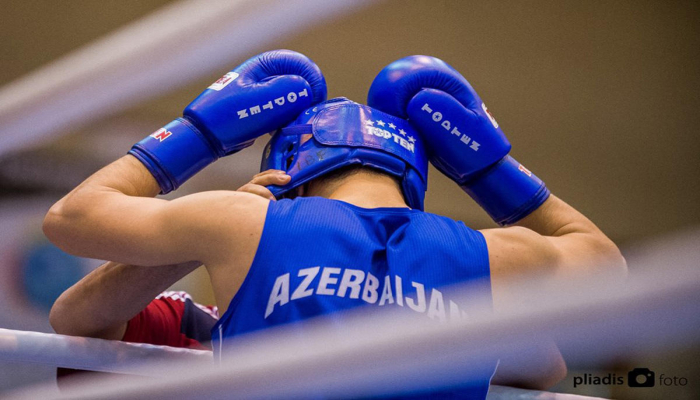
(261, 95)
(464, 140)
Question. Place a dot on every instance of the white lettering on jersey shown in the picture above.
(417, 305)
(386, 292)
(279, 293)
(360, 284)
(301, 291)
(436, 308)
(399, 291)
(326, 280)
(371, 285)
(454, 311)
(352, 278)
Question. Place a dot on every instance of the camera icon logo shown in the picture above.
(641, 377)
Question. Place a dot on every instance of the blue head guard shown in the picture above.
(347, 133)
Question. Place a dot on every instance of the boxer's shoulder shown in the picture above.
(226, 205)
(218, 224)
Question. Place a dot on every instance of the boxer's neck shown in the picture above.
(366, 190)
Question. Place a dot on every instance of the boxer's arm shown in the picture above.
(464, 142)
(109, 217)
(102, 303)
(555, 240)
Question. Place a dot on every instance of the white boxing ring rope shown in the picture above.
(90, 354)
(128, 358)
(377, 352)
(163, 51)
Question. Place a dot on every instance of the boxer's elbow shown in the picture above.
(610, 259)
(77, 312)
(68, 318)
(590, 253)
(55, 226)
(534, 369)
(61, 223)
(556, 373)
(60, 318)
(52, 222)
(617, 261)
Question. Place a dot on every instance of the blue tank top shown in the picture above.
(318, 256)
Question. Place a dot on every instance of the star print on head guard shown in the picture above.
(348, 133)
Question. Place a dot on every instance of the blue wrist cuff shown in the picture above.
(507, 191)
(174, 153)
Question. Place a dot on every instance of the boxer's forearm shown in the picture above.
(102, 303)
(126, 175)
(556, 218)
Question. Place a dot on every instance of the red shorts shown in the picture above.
(171, 319)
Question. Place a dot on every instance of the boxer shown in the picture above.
(352, 231)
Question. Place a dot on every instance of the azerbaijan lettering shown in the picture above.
(357, 284)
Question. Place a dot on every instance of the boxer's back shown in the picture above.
(318, 256)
